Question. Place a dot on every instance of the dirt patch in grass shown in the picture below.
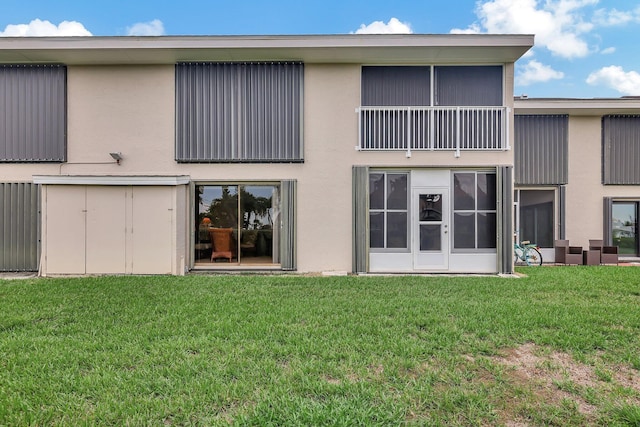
(552, 378)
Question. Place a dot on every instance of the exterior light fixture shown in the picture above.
(117, 156)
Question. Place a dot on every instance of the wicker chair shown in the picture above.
(566, 254)
(608, 254)
(222, 239)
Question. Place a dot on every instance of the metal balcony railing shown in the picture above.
(433, 128)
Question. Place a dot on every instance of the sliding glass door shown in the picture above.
(536, 217)
(237, 224)
(624, 227)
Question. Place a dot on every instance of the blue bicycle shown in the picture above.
(527, 253)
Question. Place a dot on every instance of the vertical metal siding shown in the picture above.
(504, 182)
(396, 86)
(32, 113)
(563, 212)
(541, 149)
(20, 226)
(288, 240)
(360, 242)
(468, 85)
(229, 112)
(607, 228)
(621, 149)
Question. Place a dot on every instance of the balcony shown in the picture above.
(433, 128)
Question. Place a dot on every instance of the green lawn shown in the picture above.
(558, 347)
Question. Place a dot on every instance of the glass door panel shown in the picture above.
(537, 217)
(624, 227)
(430, 237)
(217, 218)
(430, 214)
(258, 216)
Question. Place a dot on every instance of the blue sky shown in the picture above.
(584, 48)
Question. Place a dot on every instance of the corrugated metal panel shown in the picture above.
(468, 86)
(621, 149)
(288, 247)
(607, 232)
(19, 227)
(232, 112)
(562, 196)
(504, 178)
(541, 149)
(32, 113)
(360, 219)
(396, 86)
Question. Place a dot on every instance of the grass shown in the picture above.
(290, 350)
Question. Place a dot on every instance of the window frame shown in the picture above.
(385, 210)
(476, 211)
(287, 224)
(609, 221)
(555, 212)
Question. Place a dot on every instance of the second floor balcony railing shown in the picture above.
(433, 128)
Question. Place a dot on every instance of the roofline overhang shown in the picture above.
(346, 48)
(577, 106)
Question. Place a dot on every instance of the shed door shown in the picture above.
(65, 229)
(152, 230)
(106, 229)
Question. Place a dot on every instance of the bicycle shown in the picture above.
(527, 253)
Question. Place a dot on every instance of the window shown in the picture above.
(33, 113)
(388, 210)
(238, 224)
(474, 210)
(621, 149)
(239, 112)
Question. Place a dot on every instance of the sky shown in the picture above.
(583, 48)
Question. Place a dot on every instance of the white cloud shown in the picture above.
(614, 77)
(613, 17)
(39, 28)
(557, 24)
(151, 28)
(471, 29)
(536, 72)
(394, 26)
(608, 51)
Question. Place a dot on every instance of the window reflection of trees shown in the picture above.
(256, 207)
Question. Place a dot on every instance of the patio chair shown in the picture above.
(608, 254)
(222, 243)
(592, 255)
(566, 254)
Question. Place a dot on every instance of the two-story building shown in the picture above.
(354, 153)
(577, 172)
